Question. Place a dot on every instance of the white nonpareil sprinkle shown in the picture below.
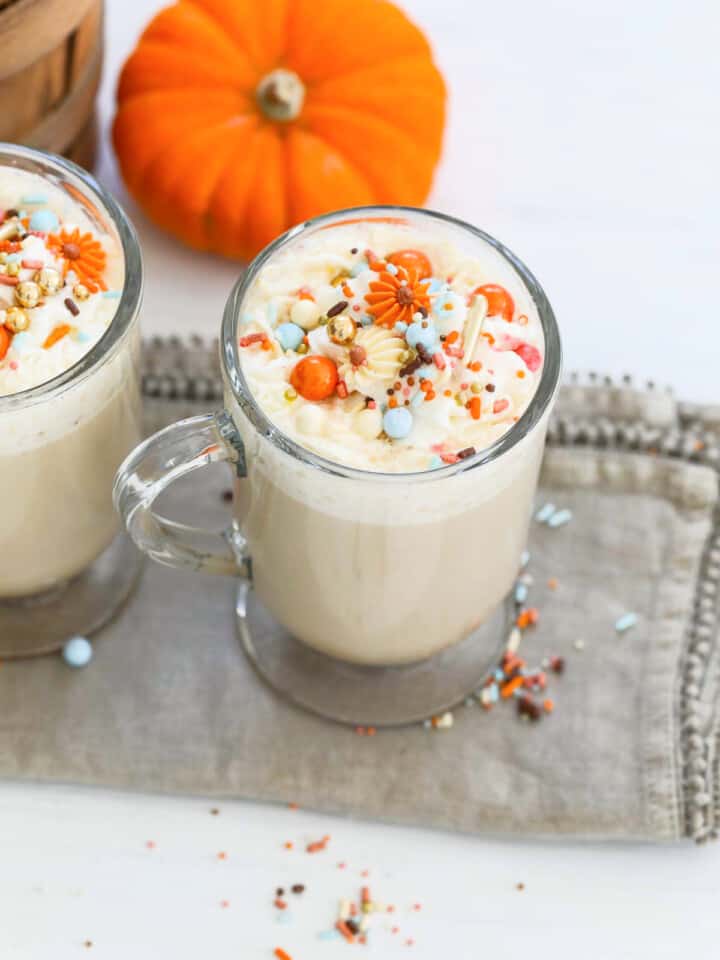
(444, 721)
(513, 643)
(544, 513)
(579, 644)
(560, 518)
(625, 622)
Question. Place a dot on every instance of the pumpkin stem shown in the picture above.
(280, 95)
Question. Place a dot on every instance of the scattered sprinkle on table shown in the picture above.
(317, 845)
(625, 622)
(559, 519)
(280, 954)
(545, 512)
(214, 812)
(151, 844)
(520, 886)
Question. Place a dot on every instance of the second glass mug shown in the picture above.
(367, 597)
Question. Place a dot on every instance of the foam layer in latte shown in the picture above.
(388, 347)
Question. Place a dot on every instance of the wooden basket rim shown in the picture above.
(31, 28)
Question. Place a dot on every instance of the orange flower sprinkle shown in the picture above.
(396, 297)
(82, 254)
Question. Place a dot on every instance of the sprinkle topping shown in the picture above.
(411, 353)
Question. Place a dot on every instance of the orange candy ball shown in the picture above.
(412, 260)
(500, 303)
(314, 377)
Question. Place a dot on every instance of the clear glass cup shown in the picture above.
(366, 597)
(65, 564)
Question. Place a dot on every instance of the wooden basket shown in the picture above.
(50, 69)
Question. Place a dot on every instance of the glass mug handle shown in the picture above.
(166, 456)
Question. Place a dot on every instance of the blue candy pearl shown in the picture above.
(77, 652)
(425, 336)
(44, 220)
(401, 327)
(397, 423)
(290, 335)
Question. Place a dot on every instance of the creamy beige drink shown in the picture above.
(403, 353)
(61, 277)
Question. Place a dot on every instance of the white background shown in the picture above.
(585, 136)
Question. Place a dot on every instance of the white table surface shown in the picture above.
(585, 136)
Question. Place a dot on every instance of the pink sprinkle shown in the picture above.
(437, 447)
(151, 844)
(33, 264)
(9, 281)
(395, 930)
(530, 355)
(409, 942)
(224, 904)
(464, 386)
(449, 457)
(455, 352)
(341, 389)
(365, 873)
(356, 306)
(13, 364)
(252, 338)
(439, 361)
(406, 391)
(341, 865)
(371, 405)
(501, 405)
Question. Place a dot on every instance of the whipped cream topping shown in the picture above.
(60, 281)
(386, 346)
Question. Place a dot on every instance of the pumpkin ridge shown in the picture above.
(173, 143)
(212, 18)
(177, 20)
(246, 176)
(357, 113)
(160, 56)
(340, 149)
(227, 27)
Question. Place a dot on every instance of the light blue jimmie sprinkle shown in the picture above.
(524, 559)
(521, 593)
(391, 268)
(271, 313)
(625, 622)
(418, 400)
(435, 462)
(12, 258)
(112, 294)
(358, 268)
(34, 198)
(365, 320)
(499, 675)
(560, 518)
(328, 935)
(82, 336)
(544, 513)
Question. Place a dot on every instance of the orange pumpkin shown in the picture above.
(239, 118)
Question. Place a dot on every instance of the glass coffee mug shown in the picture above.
(369, 598)
(65, 564)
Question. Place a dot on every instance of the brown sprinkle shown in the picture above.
(298, 887)
(490, 387)
(338, 308)
(280, 892)
(411, 367)
(72, 306)
(467, 452)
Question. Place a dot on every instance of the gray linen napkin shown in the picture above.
(170, 703)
